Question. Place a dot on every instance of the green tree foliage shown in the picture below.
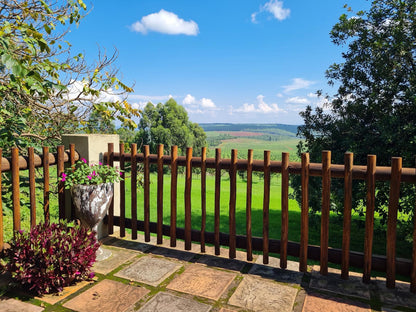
(374, 109)
(46, 89)
(168, 124)
(98, 124)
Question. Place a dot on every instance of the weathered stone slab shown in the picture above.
(137, 245)
(332, 282)
(263, 295)
(107, 296)
(66, 292)
(202, 281)
(275, 262)
(279, 275)
(227, 310)
(398, 296)
(164, 302)
(180, 245)
(13, 305)
(117, 258)
(224, 263)
(149, 270)
(172, 253)
(320, 302)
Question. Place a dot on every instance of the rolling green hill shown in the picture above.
(276, 138)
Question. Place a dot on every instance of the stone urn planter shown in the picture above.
(91, 205)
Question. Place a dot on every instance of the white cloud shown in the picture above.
(207, 103)
(298, 83)
(297, 100)
(274, 7)
(195, 106)
(189, 100)
(166, 23)
(150, 98)
(262, 107)
(279, 95)
(312, 95)
(75, 92)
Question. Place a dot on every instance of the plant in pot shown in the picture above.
(50, 256)
(92, 189)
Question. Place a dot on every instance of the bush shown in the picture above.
(51, 256)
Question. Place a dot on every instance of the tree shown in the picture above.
(46, 89)
(97, 124)
(374, 109)
(168, 124)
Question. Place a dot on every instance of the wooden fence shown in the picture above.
(15, 164)
(304, 251)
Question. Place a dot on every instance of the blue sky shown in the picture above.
(257, 61)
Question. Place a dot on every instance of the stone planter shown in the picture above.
(91, 205)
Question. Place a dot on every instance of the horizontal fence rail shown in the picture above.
(303, 250)
(315, 169)
(16, 163)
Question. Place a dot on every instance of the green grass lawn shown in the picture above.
(242, 144)
(335, 228)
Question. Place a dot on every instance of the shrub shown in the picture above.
(51, 256)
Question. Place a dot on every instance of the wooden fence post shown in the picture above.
(61, 186)
(248, 204)
(346, 228)
(15, 189)
(146, 181)
(203, 196)
(285, 211)
(110, 162)
(188, 188)
(32, 186)
(173, 194)
(232, 203)
(159, 208)
(326, 202)
(266, 206)
(133, 194)
(304, 222)
(217, 200)
(369, 217)
(122, 192)
(45, 162)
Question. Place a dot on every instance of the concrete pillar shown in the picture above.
(92, 147)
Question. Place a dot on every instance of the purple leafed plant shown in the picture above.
(50, 256)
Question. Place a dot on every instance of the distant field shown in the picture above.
(259, 137)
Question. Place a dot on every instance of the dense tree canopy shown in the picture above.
(374, 109)
(45, 89)
(168, 124)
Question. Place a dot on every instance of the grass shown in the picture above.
(258, 146)
(25, 203)
(335, 227)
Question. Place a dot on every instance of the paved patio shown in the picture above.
(149, 277)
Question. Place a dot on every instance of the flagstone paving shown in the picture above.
(263, 295)
(149, 270)
(107, 295)
(332, 282)
(319, 302)
(149, 277)
(164, 302)
(11, 305)
(201, 281)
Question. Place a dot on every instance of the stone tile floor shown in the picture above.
(148, 277)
